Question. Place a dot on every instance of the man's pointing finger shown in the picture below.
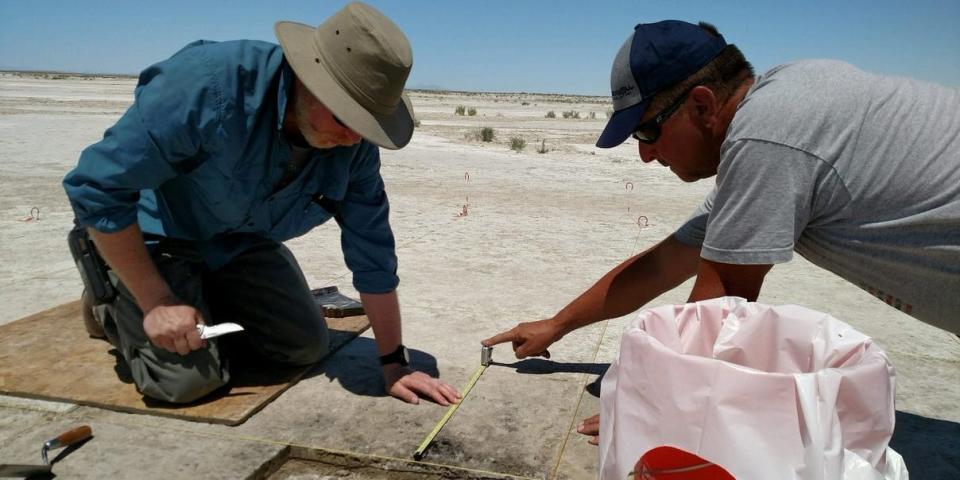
(508, 336)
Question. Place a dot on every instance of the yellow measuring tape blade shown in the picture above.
(418, 454)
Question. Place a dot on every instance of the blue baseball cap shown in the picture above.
(655, 56)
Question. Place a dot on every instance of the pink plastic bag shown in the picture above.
(763, 392)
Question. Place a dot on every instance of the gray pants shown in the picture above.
(262, 289)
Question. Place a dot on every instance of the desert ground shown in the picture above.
(487, 237)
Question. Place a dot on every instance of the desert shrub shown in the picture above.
(471, 111)
(416, 123)
(543, 146)
(550, 114)
(524, 103)
(459, 110)
(517, 144)
(571, 114)
(483, 134)
(593, 115)
(486, 134)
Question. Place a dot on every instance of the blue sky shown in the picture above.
(534, 46)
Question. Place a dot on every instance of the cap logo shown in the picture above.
(624, 88)
(622, 92)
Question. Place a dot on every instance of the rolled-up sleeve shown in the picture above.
(369, 248)
(176, 108)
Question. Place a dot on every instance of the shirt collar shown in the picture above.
(286, 84)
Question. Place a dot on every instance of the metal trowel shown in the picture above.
(65, 439)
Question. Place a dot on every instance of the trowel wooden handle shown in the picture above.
(69, 438)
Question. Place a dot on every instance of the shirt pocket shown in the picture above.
(200, 205)
(304, 212)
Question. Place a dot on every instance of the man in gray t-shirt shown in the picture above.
(859, 173)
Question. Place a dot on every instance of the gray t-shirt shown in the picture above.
(859, 173)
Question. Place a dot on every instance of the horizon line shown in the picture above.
(422, 89)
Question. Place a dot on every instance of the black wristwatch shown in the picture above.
(400, 355)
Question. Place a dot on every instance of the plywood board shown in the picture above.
(49, 356)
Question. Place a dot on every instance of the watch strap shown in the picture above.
(399, 356)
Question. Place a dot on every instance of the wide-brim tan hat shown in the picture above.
(356, 63)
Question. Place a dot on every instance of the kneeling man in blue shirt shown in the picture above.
(229, 149)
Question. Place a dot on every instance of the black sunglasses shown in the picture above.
(649, 132)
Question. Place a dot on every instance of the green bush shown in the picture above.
(471, 111)
(550, 114)
(483, 134)
(517, 144)
(459, 110)
(486, 134)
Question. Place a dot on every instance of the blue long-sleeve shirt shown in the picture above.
(201, 150)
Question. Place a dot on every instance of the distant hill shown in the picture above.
(56, 75)
(428, 87)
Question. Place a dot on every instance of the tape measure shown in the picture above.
(485, 357)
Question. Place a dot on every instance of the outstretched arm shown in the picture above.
(624, 289)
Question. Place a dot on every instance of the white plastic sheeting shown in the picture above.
(765, 392)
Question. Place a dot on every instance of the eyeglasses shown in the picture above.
(649, 132)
